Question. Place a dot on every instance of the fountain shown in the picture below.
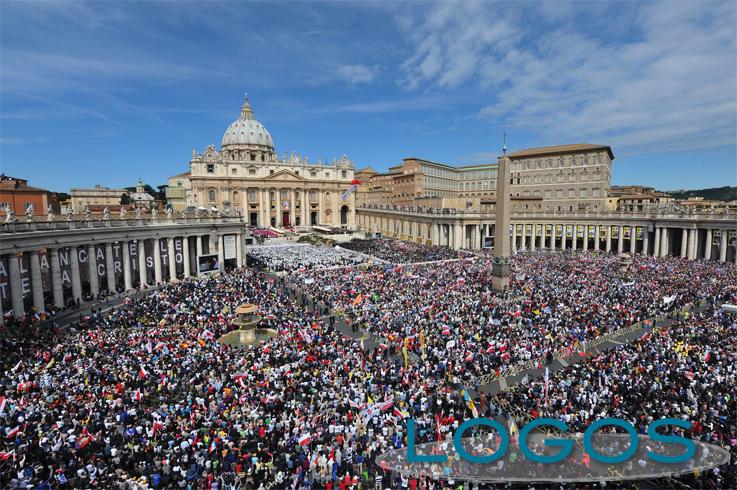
(248, 332)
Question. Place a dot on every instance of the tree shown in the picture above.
(125, 199)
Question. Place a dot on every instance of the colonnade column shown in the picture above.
(656, 247)
(56, 288)
(142, 275)
(574, 238)
(36, 285)
(684, 243)
(185, 256)
(523, 245)
(157, 260)
(172, 259)
(645, 241)
(109, 267)
(564, 238)
(597, 236)
(74, 271)
(221, 254)
(664, 242)
(707, 248)
(127, 279)
(514, 238)
(586, 229)
(16, 289)
(692, 243)
(608, 238)
(92, 263)
(633, 240)
(620, 239)
(723, 246)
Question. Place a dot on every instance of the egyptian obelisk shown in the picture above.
(500, 261)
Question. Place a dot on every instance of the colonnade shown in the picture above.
(691, 240)
(56, 276)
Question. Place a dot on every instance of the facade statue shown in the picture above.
(154, 213)
(106, 213)
(122, 213)
(87, 212)
(69, 213)
(138, 212)
(49, 213)
(168, 213)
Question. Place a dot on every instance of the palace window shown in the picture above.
(211, 195)
(343, 174)
(234, 171)
(210, 168)
(251, 171)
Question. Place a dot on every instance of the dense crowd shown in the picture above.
(399, 252)
(295, 257)
(146, 397)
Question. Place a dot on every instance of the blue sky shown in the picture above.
(106, 92)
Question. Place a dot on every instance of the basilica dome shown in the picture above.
(247, 131)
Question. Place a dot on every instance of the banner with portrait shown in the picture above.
(716, 237)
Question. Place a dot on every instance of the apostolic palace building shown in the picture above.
(561, 199)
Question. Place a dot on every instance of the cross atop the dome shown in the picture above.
(246, 111)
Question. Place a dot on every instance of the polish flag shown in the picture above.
(137, 397)
(143, 372)
(386, 405)
(305, 439)
(157, 426)
(13, 432)
(4, 456)
(3, 402)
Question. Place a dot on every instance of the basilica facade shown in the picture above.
(246, 175)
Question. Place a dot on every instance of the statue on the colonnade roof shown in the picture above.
(29, 212)
(50, 213)
(122, 213)
(9, 214)
(106, 213)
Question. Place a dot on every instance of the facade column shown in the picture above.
(36, 284)
(320, 207)
(645, 242)
(172, 259)
(608, 238)
(199, 244)
(514, 238)
(684, 243)
(239, 249)
(620, 239)
(74, 270)
(92, 263)
(16, 288)
(127, 279)
(157, 260)
(292, 207)
(185, 256)
(221, 253)
(434, 234)
(656, 247)
(142, 273)
(707, 248)
(110, 267)
(723, 246)
(305, 208)
(552, 236)
(586, 238)
(261, 206)
(56, 288)
(533, 237)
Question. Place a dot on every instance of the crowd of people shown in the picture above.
(144, 396)
(297, 257)
(399, 252)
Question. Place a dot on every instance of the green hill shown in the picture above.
(725, 193)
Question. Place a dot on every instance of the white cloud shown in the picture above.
(665, 79)
(356, 74)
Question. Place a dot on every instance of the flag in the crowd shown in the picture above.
(707, 356)
(157, 426)
(525, 379)
(137, 396)
(422, 342)
(400, 413)
(13, 432)
(386, 404)
(689, 374)
(362, 345)
(669, 299)
(406, 357)
(358, 299)
(513, 431)
(51, 363)
(201, 342)
(3, 402)
(437, 428)
(17, 366)
(143, 372)
(470, 404)
(213, 446)
(353, 404)
(206, 334)
(304, 439)
(4, 456)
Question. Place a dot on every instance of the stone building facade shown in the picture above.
(246, 175)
